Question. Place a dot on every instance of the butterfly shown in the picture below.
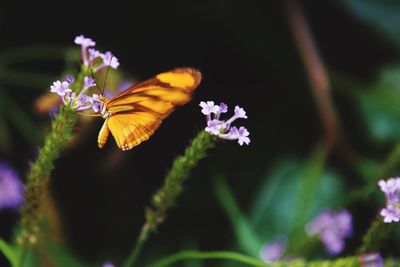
(135, 114)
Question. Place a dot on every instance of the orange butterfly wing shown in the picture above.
(138, 111)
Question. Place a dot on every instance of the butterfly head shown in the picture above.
(102, 99)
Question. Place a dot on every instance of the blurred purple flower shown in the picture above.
(273, 251)
(391, 188)
(108, 264)
(11, 188)
(332, 228)
(222, 128)
(89, 82)
(371, 260)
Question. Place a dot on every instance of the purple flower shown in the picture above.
(240, 113)
(241, 134)
(273, 251)
(214, 127)
(332, 228)
(371, 260)
(60, 88)
(108, 264)
(391, 188)
(390, 215)
(89, 82)
(208, 108)
(84, 43)
(11, 188)
(69, 79)
(223, 108)
(93, 54)
(222, 128)
(110, 60)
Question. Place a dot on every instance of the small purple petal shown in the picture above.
(110, 60)
(223, 108)
(96, 103)
(69, 79)
(209, 107)
(11, 188)
(89, 82)
(240, 113)
(243, 136)
(93, 53)
(214, 127)
(390, 186)
(84, 42)
(390, 215)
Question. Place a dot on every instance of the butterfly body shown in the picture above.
(133, 115)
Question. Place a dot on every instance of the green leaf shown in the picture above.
(309, 180)
(10, 252)
(380, 107)
(248, 240)
(273, 203)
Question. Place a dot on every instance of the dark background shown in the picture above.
(248, 57)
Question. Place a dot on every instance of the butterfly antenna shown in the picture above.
(91, 71)
(108, 69)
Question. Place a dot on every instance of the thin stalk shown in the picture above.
(165, 198)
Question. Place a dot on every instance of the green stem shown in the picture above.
(213, 255)
(143, 236)
(166, 196)
(38, 177)
(22, 255)
(375, 236)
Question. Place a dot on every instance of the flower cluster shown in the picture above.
(332, 228)
(221, 128)
(11, 188)
(93, 59)
(391, 188)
